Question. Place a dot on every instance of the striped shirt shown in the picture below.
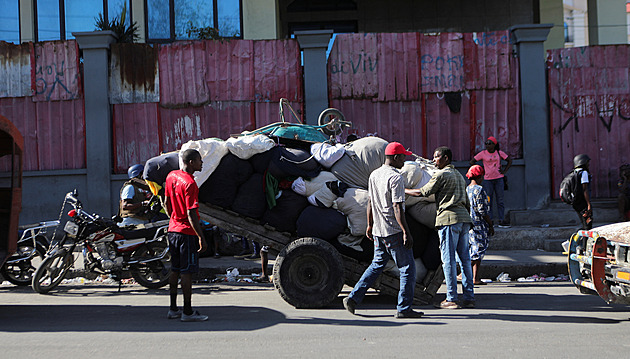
(449, 187)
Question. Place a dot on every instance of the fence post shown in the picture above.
(98, 122)
(535, 114)
(314, 43)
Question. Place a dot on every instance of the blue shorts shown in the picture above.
(184, 250)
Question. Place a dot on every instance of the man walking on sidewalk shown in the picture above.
(185, 237)
(388, 229)
(453, 223)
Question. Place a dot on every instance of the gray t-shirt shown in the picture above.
(386, 187)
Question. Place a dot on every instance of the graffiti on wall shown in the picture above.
(589, 107)
(49, 78)
(444, 72)
(361, 63)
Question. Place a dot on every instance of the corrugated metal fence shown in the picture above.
(41, 93)
(589, 97)
(428, 90)
(168, 94)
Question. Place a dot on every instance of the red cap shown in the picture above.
(475, 171)
(395, 148)
(494, 140)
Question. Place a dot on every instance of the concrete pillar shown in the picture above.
(314, 43)
(98, 121)
(535, 115)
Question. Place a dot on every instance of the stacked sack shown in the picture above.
(316, 190)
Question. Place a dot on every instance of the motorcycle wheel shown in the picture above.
(21, 273)
(52, 271)
(154, 274)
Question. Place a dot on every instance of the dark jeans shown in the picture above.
(494, 188)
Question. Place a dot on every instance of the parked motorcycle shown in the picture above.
(31, 249)
(107, 248)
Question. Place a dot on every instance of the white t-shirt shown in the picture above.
(584, 177)
(128, 192)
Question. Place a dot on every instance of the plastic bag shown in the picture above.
(245, 147)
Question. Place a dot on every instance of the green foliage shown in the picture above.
(203, 33)
(125, 33)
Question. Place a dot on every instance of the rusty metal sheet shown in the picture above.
(447, 128)
(383, 66)
(277, 70)
(589, 94)
(393, 121)
(229, 70)
(133, 74)
(55, 71)
(488, 62)
(136, 134)
(182, 80)
(442, 62)
(60, 134)
(15, 69)
(497, 112)
(217, 119)
(21, 112)
(196, 73)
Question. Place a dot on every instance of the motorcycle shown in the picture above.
(141, 250)
(31, 249)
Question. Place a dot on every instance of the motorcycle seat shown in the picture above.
(147, 233)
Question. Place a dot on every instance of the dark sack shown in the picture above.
(322, 223)
(221, 187)
(260, 161)
(293, 162)
(569, 192)
(157, 168)
(287, 210)
(250, 199)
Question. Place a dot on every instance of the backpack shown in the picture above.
(569, 191)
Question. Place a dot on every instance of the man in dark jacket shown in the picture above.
(134, 198)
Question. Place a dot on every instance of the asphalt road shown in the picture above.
(515, 320)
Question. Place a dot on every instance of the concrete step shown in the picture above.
(530, 238)
(559, 217)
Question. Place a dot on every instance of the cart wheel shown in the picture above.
(330, 118)
(308, 273)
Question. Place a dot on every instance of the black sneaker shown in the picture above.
(408, 314)
(349, 304)
(470, 304)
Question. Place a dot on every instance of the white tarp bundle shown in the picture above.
(245, 147)
(354, 205)
(212, 151)
(327, 154)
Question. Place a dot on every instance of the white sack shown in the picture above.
(245, 147)
(417, 174)
(327, 154)
(354, 205)
(351, 241)
(212, 151)
(309, 187)
(324, 195)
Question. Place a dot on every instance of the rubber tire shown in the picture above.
(308, 273)
(323, 120)
(59, 256)
(162, 267)
(40, 248)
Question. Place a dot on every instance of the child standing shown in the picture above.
(494, 183)
(481, 221)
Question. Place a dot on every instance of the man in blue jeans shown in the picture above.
(453, 223)
(388, 229)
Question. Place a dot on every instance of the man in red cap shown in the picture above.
(388, 229)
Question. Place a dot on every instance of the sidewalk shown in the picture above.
(517, 263)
